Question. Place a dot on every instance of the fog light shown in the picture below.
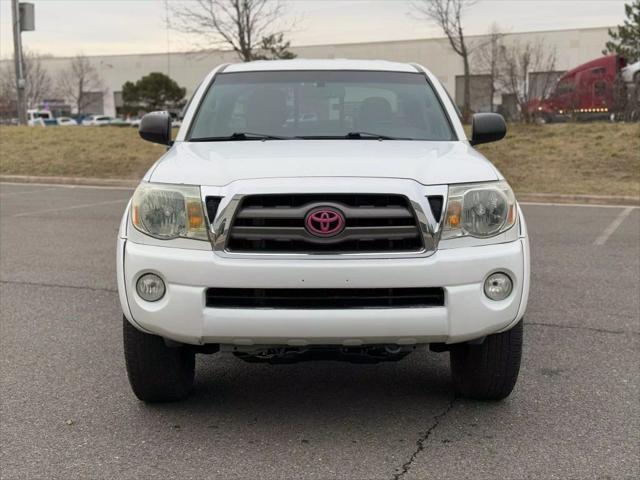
(150, 287)
(498, 286)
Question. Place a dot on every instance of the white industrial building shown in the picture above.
(572, 48)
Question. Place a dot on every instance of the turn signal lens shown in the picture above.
(194, 212)
(453, 214)
(511, 217)
(135, 217)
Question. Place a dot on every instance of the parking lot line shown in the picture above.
(22, 192)
(613, 226)
(73, 207)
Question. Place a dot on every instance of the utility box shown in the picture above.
(27, 17)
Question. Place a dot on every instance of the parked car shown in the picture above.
(362, 236)
(80, 118)
(97, 121)
(39, 118)
(66, 121)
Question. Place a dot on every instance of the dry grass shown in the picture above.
(101, 152)
(585, 158)
(589, 158)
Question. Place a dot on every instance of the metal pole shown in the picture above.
(17, 49)
(168, 27)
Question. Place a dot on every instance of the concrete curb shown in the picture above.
(96, 182)
(522, 197)
(583, 199)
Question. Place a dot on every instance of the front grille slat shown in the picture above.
(324, 299)
(275, 223)
(299, 212)
(299, 233)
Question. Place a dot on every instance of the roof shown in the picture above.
(607, 61)
(320, 64)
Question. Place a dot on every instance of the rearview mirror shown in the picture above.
(487, 127)
(156, 127)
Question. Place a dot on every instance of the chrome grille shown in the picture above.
(275, 223)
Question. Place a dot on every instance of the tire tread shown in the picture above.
(157, 373)
(488, 371)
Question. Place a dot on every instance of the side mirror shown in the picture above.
(487, 127)
(156, 127)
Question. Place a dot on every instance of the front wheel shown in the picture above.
(488, 371)
(157, 373)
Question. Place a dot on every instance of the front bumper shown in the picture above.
(181, 315)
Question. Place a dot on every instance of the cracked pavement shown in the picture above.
(420, 443)
(66, 410)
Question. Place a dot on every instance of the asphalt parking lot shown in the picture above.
(67, 410)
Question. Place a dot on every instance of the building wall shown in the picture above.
(480, 86)
(573, 47)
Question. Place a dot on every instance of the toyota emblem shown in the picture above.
(324, 222)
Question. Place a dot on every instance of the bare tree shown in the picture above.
(77, 82)
(447, 14)
(519, 61)
(39, 82)
(487, 56)
(249, 27)
(8, 94)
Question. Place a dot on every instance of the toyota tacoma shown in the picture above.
(322, 209)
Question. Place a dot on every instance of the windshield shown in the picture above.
(322, 105)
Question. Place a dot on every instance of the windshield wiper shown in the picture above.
(375, 136)
(240, 136)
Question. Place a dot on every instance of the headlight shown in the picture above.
(169, 211)
(479, 210)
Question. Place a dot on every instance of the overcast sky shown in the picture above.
(67, 27)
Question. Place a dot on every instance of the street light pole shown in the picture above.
(17, 53)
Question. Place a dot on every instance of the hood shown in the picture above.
(220, 163)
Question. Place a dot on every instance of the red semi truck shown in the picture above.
(589, 91)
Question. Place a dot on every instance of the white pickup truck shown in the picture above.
(365, 232)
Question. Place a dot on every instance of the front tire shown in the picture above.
(488, 371)
(157, 373)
